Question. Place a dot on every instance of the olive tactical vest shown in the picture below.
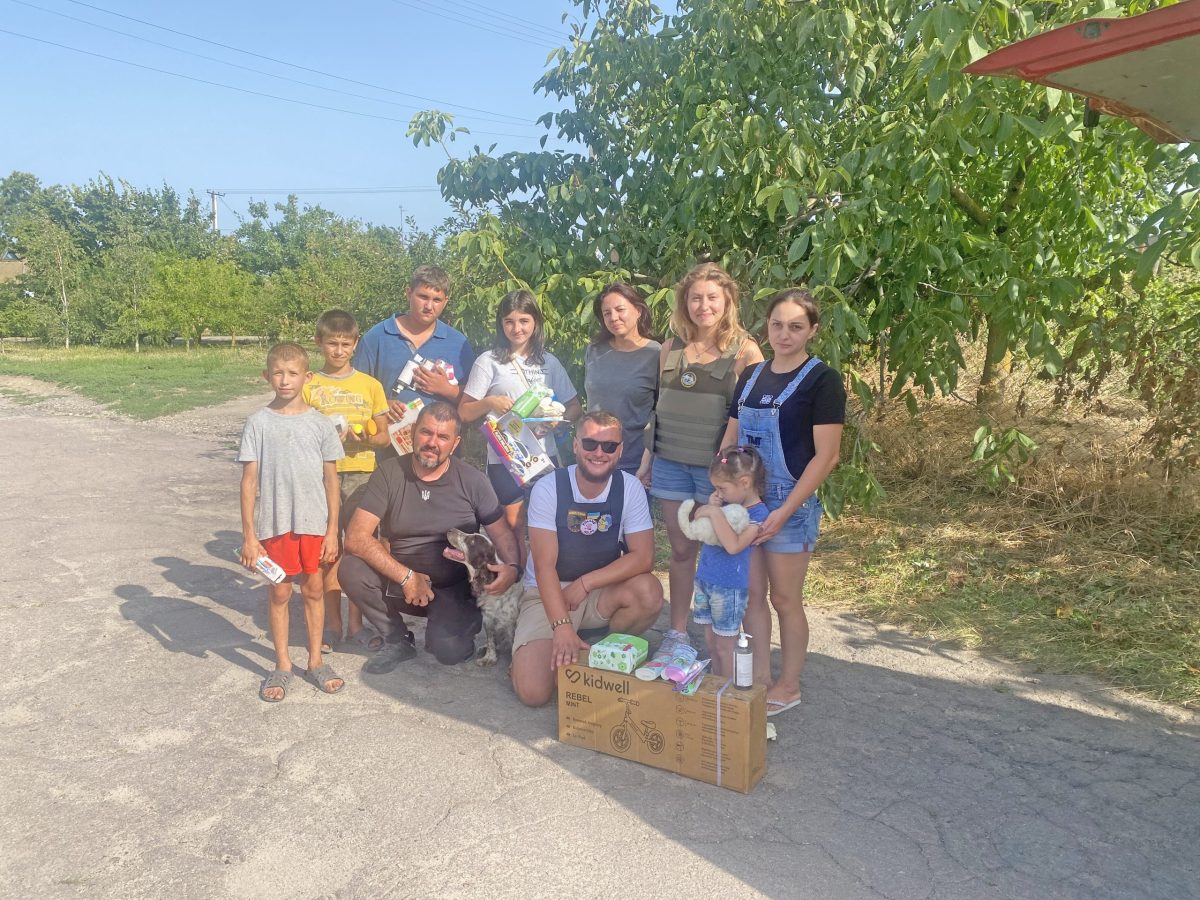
(693, 406)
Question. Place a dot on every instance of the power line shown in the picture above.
(234, 65)
(237, 215)
(281, 62)
(461, 20)
(230, 87)
(505, 21)
(492, 11)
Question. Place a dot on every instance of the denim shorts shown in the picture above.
(671, 480)
(720, 606)
(799, 533)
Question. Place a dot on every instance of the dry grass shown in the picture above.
(1089, 564)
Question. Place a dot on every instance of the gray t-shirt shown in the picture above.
(624, 383)
(291, 452)
(414, 515)
(490, 377)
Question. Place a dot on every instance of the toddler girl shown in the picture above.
(723, 575)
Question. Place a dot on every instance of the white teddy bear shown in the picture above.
(550, 408)
(701, 529)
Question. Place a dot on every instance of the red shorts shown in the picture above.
(295, 553)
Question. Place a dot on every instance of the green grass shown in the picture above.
(942, 560)
(147, 384)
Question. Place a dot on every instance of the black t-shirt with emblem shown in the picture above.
(820, 400)
(414, 515)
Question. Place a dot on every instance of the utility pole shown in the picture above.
(213, 195)
(401, 221)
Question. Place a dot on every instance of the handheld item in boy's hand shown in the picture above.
(266, 567)
(405, 380)
(339, 422)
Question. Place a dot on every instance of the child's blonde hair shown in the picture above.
(287, 350)
(736, 461)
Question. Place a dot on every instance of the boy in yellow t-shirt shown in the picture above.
(339, 390)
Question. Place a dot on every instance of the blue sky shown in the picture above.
(69, 116)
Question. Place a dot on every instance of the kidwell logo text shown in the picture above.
(598, 681)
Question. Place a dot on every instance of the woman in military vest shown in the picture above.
(698, 369)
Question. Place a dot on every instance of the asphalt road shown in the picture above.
(139, 761)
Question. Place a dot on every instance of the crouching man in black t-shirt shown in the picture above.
(591, 552)
(413, 501)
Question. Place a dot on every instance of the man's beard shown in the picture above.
(582, 472)
(424, 461)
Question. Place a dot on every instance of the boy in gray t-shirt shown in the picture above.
(290, 502)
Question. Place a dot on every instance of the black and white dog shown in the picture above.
(475, 551)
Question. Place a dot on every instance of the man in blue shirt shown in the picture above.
(388, 347)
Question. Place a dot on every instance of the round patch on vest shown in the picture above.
(688, 379)
(588, 526)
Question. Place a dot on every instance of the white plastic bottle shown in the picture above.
(743, 663)
(267, 567)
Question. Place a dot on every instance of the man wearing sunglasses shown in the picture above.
(591, 552)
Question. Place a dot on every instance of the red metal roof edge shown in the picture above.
(1089, 40)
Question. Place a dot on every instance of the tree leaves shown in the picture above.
(942, 207)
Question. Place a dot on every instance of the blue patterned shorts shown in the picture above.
(720, 606)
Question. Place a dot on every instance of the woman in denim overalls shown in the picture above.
(789, 534)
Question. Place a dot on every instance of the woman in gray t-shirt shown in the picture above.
(621, 366)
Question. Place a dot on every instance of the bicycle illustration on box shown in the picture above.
(621, 736)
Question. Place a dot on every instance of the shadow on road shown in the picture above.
(887, 779)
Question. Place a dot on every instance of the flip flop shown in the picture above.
(775, 707)
(277, 679)
(330, 639)
(323, 674)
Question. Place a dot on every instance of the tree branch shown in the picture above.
(970, 207)
(856, 285)
(1016, 184)
(939, 290)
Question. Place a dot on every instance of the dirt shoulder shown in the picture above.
(20, 395)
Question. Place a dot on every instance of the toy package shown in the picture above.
(517, 446)
(405, 379)
(400, 433)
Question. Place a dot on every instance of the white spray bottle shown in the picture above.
(743, 663)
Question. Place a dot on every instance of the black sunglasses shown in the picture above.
(590, 444)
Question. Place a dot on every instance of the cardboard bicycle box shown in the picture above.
(718, 735)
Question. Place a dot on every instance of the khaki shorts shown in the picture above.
(353, 485)
(532, 624)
